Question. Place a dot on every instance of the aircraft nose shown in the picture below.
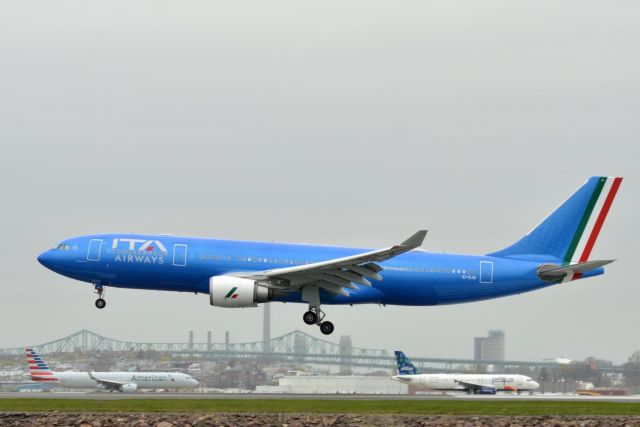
(45, 258)
(536, 385)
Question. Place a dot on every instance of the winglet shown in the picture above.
(416, 240)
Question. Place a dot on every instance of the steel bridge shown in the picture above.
(293, 347)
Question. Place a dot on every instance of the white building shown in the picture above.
(330, 384)
(489, 348)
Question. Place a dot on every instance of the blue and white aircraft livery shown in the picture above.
(471, 383)
(244, 273)
(125, 382)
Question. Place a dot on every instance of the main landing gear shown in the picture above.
(315, 316)
(100, 302)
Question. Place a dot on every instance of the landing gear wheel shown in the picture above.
(100, 302)
(326, 327)
(310, 318)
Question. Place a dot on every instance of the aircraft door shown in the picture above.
(93, 253)
(486, 271)
(180, 255)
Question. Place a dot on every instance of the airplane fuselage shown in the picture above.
(456, 382)
(142, 380)
(185, 264)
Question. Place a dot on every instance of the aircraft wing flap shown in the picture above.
(337, 274)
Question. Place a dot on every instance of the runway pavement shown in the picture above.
(255, 396)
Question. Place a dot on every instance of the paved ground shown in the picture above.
(117, 395)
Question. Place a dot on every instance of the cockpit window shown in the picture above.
(62, 247)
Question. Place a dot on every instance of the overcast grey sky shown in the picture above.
(338, 122)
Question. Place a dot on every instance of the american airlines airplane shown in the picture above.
(244, 273)
(471, 383)
(125, 382)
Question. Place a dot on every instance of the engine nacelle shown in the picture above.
(228, 291)
(128, 388)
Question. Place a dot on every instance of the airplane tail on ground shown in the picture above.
(569, 233)
(405, 367)
(38, 368)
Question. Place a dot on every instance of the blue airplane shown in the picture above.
(244, 273)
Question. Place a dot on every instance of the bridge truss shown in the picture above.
(293, 347)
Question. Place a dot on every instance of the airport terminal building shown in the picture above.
(343, 384)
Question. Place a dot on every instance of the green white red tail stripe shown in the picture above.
(592, 220)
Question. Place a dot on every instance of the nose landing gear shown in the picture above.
(100, 302)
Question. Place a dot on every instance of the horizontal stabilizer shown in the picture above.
(551, 272)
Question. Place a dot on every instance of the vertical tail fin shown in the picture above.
(38, 369)
(569, 233)
(405, 367)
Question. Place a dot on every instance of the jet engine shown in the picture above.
(128, 388)
(228, 291)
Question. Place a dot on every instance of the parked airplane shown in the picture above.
(126, 382)
(244, 273)
(471, 383)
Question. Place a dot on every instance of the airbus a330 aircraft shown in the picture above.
(471, 383)
(126, 382)
(243, 274)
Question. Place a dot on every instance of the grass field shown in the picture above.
(434, 407)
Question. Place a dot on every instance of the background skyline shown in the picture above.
(343, 123)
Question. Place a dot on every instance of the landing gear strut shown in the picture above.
(100, 302)
(315, 316)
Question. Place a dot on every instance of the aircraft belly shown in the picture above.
(183, 281)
